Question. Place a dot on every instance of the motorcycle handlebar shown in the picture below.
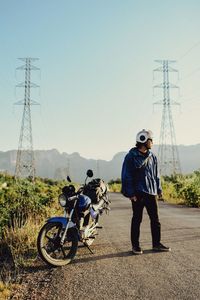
(72, 198)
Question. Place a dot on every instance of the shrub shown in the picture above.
(179, 189)
(183, 189)
(23, 199)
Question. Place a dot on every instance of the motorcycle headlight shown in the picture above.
(62, 200)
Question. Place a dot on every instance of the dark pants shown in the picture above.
(150, 202)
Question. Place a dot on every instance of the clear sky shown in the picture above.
(96, 81)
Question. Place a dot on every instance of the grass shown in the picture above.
(18, 246)
(5, 291)
(169, 193)
(18, 250)
(22, 242)
(115, 187)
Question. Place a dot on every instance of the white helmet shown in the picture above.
(144, 135)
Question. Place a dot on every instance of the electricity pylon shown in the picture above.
(25, 163)
(168, 155)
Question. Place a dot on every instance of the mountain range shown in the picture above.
(56, 165)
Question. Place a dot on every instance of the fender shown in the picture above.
(62, 220)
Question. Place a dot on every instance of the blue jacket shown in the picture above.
(140, 174)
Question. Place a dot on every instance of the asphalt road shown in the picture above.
(112, 272)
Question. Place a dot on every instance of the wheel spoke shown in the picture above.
(52, 251)
(49, 238)
(63, 252)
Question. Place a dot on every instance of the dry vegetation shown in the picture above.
(179, 189)
(24, 206)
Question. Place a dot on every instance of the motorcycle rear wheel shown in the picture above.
(49, 248)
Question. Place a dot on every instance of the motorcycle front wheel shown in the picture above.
(49, 247)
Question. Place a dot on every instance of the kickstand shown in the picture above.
(88, 248)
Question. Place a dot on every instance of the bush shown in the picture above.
(24, 206)
(115, 188)
(22, 199)
(183, 189)
(179, 189)
(112, 181)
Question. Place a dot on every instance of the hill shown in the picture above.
(56, 165)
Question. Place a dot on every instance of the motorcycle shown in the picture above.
(58, 239)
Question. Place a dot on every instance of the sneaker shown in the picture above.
(161, 248)
(137, 250)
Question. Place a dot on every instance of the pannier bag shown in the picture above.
(95, 189)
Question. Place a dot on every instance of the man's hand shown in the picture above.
(160, 197)
(134, 198)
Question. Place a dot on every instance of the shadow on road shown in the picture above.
(92, 258)
(38, 265)
(183, 238)
(37, 268)
(181, 229)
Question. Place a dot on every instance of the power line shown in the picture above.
(190, 74)
(189, 50)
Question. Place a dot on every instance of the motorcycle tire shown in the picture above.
(49, 248)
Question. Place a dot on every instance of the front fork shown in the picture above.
(68, 224)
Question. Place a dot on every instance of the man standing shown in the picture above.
(141, 184)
